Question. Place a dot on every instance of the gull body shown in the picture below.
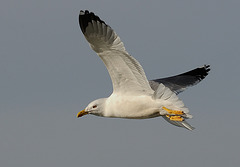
(134, 107)
(134, 97)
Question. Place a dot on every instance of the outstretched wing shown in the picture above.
(181, 82)
(126, 73)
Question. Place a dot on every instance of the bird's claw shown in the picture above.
(175, 118)
(173, 112)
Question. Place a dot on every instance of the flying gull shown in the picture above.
(134, 97)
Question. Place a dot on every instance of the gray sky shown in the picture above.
(48, 73)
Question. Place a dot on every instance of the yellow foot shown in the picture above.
(175, 118)
(175, 112)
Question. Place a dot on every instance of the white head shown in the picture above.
(96, 107)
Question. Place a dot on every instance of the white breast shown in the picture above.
(134, 107)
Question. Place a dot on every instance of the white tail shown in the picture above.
(170, 97)
(175, 103)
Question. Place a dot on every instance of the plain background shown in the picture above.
(48, 74)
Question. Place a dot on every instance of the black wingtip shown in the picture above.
(85, 17)
(200, 73)
(203, 72)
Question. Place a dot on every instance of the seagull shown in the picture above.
(133, 96)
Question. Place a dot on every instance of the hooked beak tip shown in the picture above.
(82, 113)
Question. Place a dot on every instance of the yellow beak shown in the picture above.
(82, 113)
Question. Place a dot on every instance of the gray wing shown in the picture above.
(182, 81)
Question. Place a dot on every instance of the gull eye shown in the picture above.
(95, 106)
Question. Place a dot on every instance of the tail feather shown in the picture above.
(174, 103)
(170, 97)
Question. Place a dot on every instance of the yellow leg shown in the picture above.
(175, 112)
(176, 118)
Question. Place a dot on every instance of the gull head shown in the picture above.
(96, 107)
